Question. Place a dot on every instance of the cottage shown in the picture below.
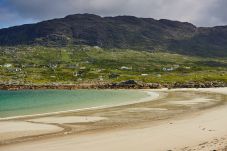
(8, 65)
(76, 74)
(188, 68)
(52, 65)
(168, 69)
(159, 75)
(96, 47)
(101, 78)
(53, 76)
(82, 68)
(126, 68)
(80, 79)
(144, 74)
(17, 69)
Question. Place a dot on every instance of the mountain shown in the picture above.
(121, 32)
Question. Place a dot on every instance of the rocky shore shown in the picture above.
(130, 84)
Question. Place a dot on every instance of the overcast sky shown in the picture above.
(198, 12)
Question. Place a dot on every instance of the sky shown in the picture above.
(199, 12)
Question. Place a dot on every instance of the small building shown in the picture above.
(82, 68)
(52, 65)
(76, 74)
(168, 69)
(18, 69)
(176, 66)
(187, 68)
(80, 79)
(126, 68)
(96, 47)
(144, 74)
(8, 65)
(101, 78)
(53, 76)
(159, 75)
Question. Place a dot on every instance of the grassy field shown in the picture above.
(83, 64)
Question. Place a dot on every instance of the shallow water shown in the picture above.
(27, 102)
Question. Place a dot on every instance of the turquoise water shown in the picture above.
(28, 102)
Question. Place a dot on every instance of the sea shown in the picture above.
(32, 102)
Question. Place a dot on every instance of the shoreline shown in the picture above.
(201, 129)
(151, 97)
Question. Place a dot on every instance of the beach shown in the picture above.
(178, 119)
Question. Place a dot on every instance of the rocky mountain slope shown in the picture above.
(121, 32)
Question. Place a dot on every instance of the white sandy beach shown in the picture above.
(205, 130)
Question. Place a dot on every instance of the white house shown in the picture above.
(126, 68)
(168, 69)
(75, 74)
(144, 74)
(7, 65)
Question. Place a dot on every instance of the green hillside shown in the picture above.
(86, 64)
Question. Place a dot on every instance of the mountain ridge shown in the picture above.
(126, 32)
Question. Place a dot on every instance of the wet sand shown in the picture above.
(181, 119)
(13, 129)
(67, 119)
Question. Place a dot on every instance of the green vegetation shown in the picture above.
(84, 64)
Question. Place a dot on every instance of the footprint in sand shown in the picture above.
(205, 129)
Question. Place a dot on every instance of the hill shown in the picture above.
(124, 32)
